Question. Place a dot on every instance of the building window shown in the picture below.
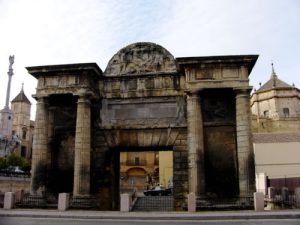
(286, 112)
(24, 132)
(136, 161)
(23, 151)
(266, 113)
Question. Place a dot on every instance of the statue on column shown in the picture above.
(11, 61)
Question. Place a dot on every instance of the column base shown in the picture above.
(83, 202)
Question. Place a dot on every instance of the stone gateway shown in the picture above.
(145, 100)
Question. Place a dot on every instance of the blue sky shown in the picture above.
(77, 31)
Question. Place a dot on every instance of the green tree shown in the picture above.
(3, 163)
(16, 160)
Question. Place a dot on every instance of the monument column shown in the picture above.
(40, 147)
(82, 148)
(246, 170)
(195, 145)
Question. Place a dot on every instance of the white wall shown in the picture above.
(278, 160)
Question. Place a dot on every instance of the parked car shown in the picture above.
(158, 191)
(15, 169)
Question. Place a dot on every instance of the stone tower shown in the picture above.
(21, 107)
(6, 113)
(276, 106)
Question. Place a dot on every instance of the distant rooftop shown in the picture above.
(274, 83)
(21, 97)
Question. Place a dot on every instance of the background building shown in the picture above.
(16, 128)
(275, 108)
(22, 125)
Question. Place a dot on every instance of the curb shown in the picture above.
(151, 216)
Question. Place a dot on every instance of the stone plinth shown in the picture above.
(9, 200)
(259, 202)
(192, 202)
(63, 201)
(125, 202)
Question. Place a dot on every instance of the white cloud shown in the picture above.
(75, 31)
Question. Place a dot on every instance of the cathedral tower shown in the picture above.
(21, 106)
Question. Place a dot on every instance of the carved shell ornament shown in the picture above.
(141, 58)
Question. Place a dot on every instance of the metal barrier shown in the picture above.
(36, 201)
(154, 203)
(4, 173)
(235, 203)
(280, 199)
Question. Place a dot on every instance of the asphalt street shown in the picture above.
(89, 221)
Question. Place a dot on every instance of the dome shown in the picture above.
(141, 58)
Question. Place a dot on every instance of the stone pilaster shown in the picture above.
(195, 145)
(82, 148)
(246, 170)
(40, 147)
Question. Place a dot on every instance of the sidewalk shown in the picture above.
(215, 215)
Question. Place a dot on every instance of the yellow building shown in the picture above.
(142, 170)
(138, 170)
(165, 168)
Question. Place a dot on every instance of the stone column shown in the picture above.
(51, 114)
(195, 145)
(246, 170)
(82, 148)
(40, 147)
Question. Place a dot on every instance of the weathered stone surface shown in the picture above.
(9, 200)
(141, 58)
(63, 201)
(144, 101)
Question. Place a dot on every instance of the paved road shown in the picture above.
(89, 221)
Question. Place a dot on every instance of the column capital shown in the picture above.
(41, 98)
(83, 99)
(192, 92)
(243, 90)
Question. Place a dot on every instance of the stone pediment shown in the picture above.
(141, 58)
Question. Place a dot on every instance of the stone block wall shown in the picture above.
(13, 184)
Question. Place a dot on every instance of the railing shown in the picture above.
(4, 173)
(234, 203)
(35, 201)
(154, 203)
(281, 199)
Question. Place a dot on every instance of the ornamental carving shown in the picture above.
(141, 58)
